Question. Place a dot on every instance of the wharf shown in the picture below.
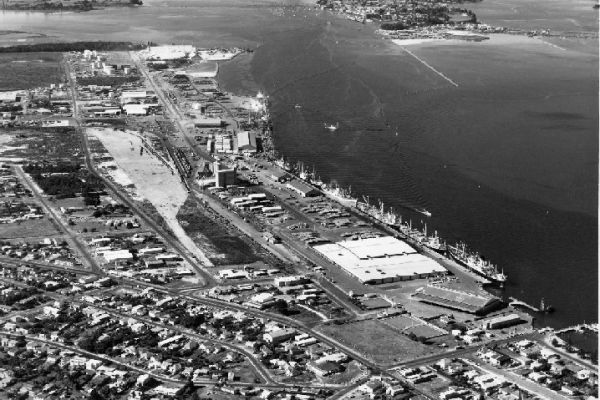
(445, 261)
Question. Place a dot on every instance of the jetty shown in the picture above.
(579, 328)
(515, 302)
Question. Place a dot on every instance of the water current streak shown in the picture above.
(430, 67)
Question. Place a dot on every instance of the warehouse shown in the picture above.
(209, 123)
(246, 142)
(12, 96)
(457, 300)
(279, 176)
(136, 109)
(302, 189)
(134, 96)
(504, 321)
(380, 260)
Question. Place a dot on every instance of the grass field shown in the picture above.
(29, 70)
(33, 228)
(377, 341)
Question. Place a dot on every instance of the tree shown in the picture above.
(554, 342)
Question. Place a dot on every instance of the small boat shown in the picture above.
(424, 212)
(298, 106)
(332, 128)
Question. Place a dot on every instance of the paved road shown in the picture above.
(304, 328)
(547, 341)
(174, 111)
(523, 383)
(73, 236)
(458, 353)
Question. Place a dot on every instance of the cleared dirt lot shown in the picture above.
(153, 180)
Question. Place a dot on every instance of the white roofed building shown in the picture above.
(380, 260)
(246, 142)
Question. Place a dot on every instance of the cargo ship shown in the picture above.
(473, 262)
(379, 213)
(342, 196)
(434, 242)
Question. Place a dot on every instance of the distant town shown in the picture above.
(405, 20)
(154, 245)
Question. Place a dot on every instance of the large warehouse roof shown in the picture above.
(246, 140)
(380, 260)
(386, 246)
(458, 300)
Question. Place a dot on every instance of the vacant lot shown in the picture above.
(29, 70)
(377, 341)
(59, 144)
(32, 228)
(223, 244)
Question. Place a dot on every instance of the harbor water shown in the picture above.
(505, 159)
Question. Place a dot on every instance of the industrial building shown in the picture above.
(503, 321)
(380, 260)
(224, 176)
(457, 300)
(209, 123)
(279, 176)
(279, 336)
(136, 109)
(133, 96)
(13, 96)
(246, 142)
(302, 189)
(290, 281)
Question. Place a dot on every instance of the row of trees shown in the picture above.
(71, 181)
(73, 46)
(114, 81)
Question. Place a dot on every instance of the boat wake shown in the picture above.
(424, 212)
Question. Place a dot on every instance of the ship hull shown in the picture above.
(343, 201)
(474, 270)
(441, 250)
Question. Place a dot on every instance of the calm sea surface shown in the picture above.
(506, 161)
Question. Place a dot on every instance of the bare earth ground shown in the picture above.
(152, 179)
(5, 139)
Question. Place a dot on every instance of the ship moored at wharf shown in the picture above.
(474, 262)
(470, 261)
